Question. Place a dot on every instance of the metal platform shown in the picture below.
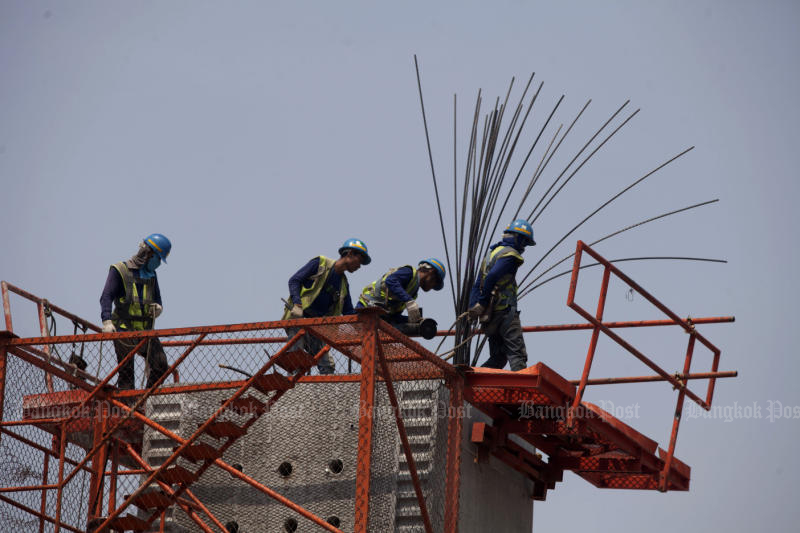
(535, 404)
(534, 422)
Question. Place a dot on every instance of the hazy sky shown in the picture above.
(256, 135)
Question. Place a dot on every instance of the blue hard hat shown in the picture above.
(522, 227)
(357, 245)
(438, 266)
(159, 244)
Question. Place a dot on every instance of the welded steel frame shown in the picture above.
(3, 361)
(597, 322)
(38, 361)
(366, 350)
(366, 422)
(105, 447)
(541, 386)
(200, 430)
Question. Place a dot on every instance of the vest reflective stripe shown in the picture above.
(506, 286)
(129, 310)
(376, 294)
(309, 294)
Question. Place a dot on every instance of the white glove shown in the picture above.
(476, 311)
(414, 314)
(297, 311)
(108, 327)
(155, 310)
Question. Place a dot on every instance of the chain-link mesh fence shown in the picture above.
(308, 446)
(305, 447)
(30, 455)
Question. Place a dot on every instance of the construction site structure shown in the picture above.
(397, 440)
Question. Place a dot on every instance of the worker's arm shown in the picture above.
(396, 283)
(347, 306)
(475, 292)
(113, 289)
(300, 277)
(157, 292)
(503, 266)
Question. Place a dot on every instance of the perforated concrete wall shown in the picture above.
(306, 447)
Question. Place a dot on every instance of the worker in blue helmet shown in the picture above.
(132, 290)
(320, 288)
(493, 299)
(397, 290)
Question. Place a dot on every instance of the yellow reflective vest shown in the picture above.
(506, 287)
(308, 295)
(376, 293)
(131, 310)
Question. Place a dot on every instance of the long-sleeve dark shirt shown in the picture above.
(503, 266)
(322, 305)
(115, 288)
(397, 281)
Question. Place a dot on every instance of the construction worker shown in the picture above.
(493, 299)
(397, 290)
(132, 287)
(319, 289)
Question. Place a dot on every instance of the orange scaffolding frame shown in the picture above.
(585, 439)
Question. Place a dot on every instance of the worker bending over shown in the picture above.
(397, 290)
(132, 287)
(319, 289)
(493, 299)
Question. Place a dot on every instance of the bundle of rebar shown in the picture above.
(497, 186)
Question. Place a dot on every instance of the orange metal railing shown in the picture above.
(380, 352)
(678, 382)
(375, 355)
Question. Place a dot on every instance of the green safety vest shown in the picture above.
(376, 294)
(506, 287)
(308, 295)
(130, 311)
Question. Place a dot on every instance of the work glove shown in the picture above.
(475, 312)
(155, 310)
(414, 313)
(108, 327)
(297, 311)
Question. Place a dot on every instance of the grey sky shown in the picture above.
(259, 134)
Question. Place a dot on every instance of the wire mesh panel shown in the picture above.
(29, 455)
(337, 423)
(304, 447)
